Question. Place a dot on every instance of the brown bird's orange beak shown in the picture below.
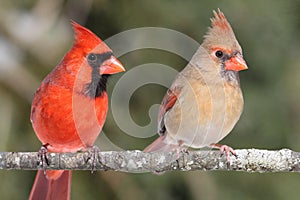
(111, 66)
(236, 63)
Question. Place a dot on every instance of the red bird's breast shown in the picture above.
(66, 120)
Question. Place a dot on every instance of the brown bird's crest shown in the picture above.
(220, 33)
(220, 21)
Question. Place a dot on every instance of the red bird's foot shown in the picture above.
(225, 149)
(42, 157)
(93, 156)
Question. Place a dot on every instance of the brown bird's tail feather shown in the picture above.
(160, 145)
(50, 189)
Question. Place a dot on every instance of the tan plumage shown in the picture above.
(205, 100)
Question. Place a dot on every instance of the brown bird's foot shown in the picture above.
(225, 149)
(185, 150)
(93, 156)
(180, 149)
(42, 157)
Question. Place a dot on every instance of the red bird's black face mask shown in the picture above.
(98, 81)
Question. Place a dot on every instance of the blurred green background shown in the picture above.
(34, 35)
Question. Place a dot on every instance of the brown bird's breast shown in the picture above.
(204, 113)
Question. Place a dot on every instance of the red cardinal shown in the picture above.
(205, 100)
(69, 108)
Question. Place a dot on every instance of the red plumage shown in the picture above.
(70, 106)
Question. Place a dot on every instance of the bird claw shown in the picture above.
(224, 149)
(228, 151)
(42, 157)
(180, 150)
(93, 156)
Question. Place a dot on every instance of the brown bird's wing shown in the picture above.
(167, 103)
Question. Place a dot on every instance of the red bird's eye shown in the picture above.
(92, 57)
(219, 54)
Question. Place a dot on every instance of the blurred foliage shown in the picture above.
(34, 35)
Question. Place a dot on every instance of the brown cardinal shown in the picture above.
(205, 100)
(69, 108)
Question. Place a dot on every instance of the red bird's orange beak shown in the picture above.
(236, 63)
(111, 66)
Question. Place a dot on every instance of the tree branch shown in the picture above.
(247, 160)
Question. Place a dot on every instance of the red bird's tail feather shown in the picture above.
(160, 145)
(50, 189)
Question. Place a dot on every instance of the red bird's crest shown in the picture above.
(85, 41)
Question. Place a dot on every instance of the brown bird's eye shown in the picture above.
(92, 57)
(219, 54)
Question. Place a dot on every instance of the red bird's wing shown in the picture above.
(167, 103)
